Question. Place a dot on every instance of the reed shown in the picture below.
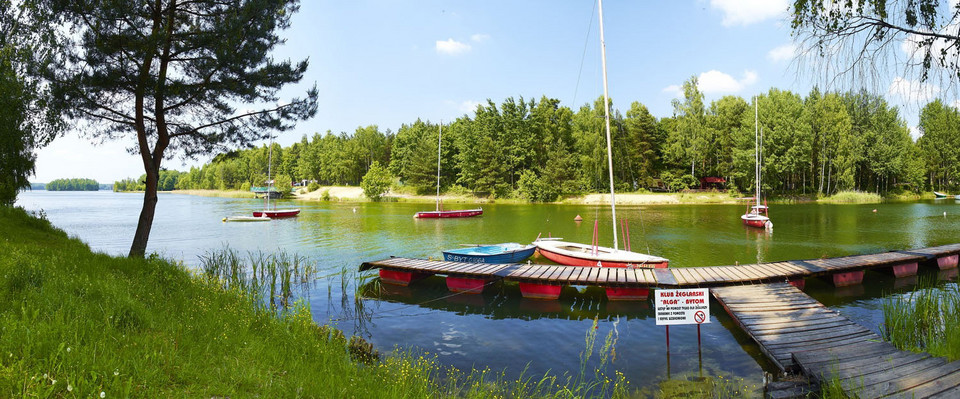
(852, 197)
(924, 320)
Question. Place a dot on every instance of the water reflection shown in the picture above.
(504, 301)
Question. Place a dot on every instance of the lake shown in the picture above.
(499, 329)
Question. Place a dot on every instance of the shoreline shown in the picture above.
(355, 194)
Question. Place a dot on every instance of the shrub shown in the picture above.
(376, 182)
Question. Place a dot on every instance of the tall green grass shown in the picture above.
(925, 320)
(852, 197)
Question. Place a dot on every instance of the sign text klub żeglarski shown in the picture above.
(688, 306)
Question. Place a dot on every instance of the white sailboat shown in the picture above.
(438, 213)
(273, 213)
(577, 254)
(757, 216)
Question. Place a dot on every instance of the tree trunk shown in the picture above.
(139, 247)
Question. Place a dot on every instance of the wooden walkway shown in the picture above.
(846, 267)
(802, 335)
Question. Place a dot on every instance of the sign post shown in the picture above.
(687, 306)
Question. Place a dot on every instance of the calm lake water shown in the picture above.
(499, 329)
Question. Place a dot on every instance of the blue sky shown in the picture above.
(387, 63)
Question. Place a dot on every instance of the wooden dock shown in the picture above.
(797, 332)
(801, 335)
(545, 281)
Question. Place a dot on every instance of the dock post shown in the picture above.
(466, 285)
(848, 278)
(947, 262)
(798, 282)
(905, 269)
(540, 291)
(397, 277)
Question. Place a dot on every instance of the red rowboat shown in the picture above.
(576, 254)
(464, 213)
(277, 213)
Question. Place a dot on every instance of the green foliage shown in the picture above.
(27, 119)
(74, 184)
(169, 180)
(313, 186)
(376, 182)
(861, 34)
(283, 184)
(533, 188)
(16, 142)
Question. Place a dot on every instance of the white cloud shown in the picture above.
(452, 47)
(746, 12)
(785, 52)
(480, 37)
(716, 82)
(914, 132)
(469, 106)
(675, 90)
(913, 91)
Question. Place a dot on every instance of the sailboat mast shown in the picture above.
(266, 201)
(606, 117)
(756, 144)
(439, 140)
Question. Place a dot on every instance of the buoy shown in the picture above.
(578, 219)
(354, 210)
(874, 211)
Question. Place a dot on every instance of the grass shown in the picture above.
(925, 320)
(852, 197)
(74, 323)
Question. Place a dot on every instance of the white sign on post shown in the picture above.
(689, 306)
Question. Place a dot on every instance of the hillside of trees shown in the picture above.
(73, 185)
(539, 150)
(167, 182)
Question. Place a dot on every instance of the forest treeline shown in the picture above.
(539, 150)
(74, 184)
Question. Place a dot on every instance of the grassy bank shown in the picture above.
(77, 323)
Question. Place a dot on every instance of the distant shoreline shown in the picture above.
(355, 194)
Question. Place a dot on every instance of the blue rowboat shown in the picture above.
(509, 252)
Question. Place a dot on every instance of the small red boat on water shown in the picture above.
(277, 213)
(464, 213)
(438, 213)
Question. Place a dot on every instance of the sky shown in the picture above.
(388, 63)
